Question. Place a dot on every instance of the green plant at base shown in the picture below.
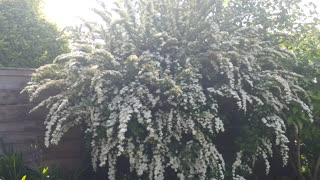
(13, 167)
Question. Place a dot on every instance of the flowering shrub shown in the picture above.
(159, 82)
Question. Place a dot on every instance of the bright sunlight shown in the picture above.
(67, 12)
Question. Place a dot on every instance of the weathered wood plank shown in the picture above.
(20, 129)
(12, 97)
(20, 72)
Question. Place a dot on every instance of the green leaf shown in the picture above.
(44, 170)
(24, 177)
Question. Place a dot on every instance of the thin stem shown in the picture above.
(316, 169)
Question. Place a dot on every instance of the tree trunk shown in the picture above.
(316, 169)
(298, 153)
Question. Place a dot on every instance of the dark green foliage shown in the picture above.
(27, 39)
(303, 40)
(14, 167)
(11, 167)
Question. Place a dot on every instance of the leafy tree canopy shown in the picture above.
(27, 39)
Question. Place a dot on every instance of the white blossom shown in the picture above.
(161, 95)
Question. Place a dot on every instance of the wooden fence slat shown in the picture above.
(20, 129)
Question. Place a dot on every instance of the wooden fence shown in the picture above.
(24, 131)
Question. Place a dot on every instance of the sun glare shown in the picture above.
(67, 12)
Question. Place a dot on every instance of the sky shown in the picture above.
(65, 12)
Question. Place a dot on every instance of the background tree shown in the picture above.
(167, 85)
(304, 41)
(27, 39)
(294, 26)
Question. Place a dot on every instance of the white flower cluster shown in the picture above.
(160, 95)
(238, 165)
(279, 128)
